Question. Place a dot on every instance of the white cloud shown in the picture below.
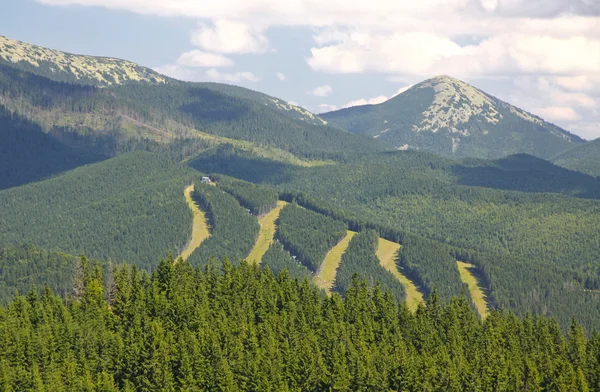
(226, 36)
(370, 101)
(586, 130)
(198, 58)
(402, 89)
(281, 76)
(321, 91)
(238, 77)
(554, 113)
(558, 40)
(324, 107)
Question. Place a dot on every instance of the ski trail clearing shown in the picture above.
(326, 275)
(387, 252)
(468, 276)
(200, 229)
(266, 234)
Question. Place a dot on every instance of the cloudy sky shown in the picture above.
(541, 55)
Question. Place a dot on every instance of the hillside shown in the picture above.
(584, 158)
(28, 154)
(72, 68)
(527, 225)
(125, 209)
(446, 116)
(108, 106)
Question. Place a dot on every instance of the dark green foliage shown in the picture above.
(125, 208)
(241, 329)
(360, 258)
(506, 213)
(27, 154)
(278, 259)
(584, 158)
(308, 235)
(233, 229)
(397, 121)
(431, 265)
(24, 266)
(258, 199)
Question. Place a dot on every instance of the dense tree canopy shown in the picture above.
(242, 328)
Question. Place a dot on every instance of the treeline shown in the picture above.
(241, 328)
(233, 229)
(278, 259)
(308, 235)
(258, 199)
(360, 258)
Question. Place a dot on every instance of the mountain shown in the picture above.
(107, 106)
(584, 158)
(72, 68)
(446, 116)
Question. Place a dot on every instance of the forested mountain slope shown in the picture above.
(28, 154)
(111, 109)
(446, 116)
(530, 227)
(584, 158)
(125, 209)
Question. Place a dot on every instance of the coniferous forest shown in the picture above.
(231, 328)
(103, 170)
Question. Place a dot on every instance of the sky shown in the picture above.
(540, 55)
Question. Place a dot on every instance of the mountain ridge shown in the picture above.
(447, 116)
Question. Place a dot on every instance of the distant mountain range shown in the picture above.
(449, 117)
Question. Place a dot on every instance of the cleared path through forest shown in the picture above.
(387, 251)
(326, 275)
(266, 234)
(200, 229)
(468, 276)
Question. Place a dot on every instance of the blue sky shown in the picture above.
(541, 55)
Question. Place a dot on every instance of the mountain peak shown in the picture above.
(455, 103)
(447, 116)
(57, 65)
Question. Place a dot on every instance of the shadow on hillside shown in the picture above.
(27, 154)
(209, 106)
(229, 161)
(525, 173)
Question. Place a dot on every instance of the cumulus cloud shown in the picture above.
(237, 77)
(324, 107)
(558, 40)
(281, 76)
(321, 91)
(198, 58)
(226, 36)
(554, 113)
(369, 101)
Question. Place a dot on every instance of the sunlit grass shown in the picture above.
(200, 229)
(468, 276)
(266, 234)
(326, 275)
(387, 251)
